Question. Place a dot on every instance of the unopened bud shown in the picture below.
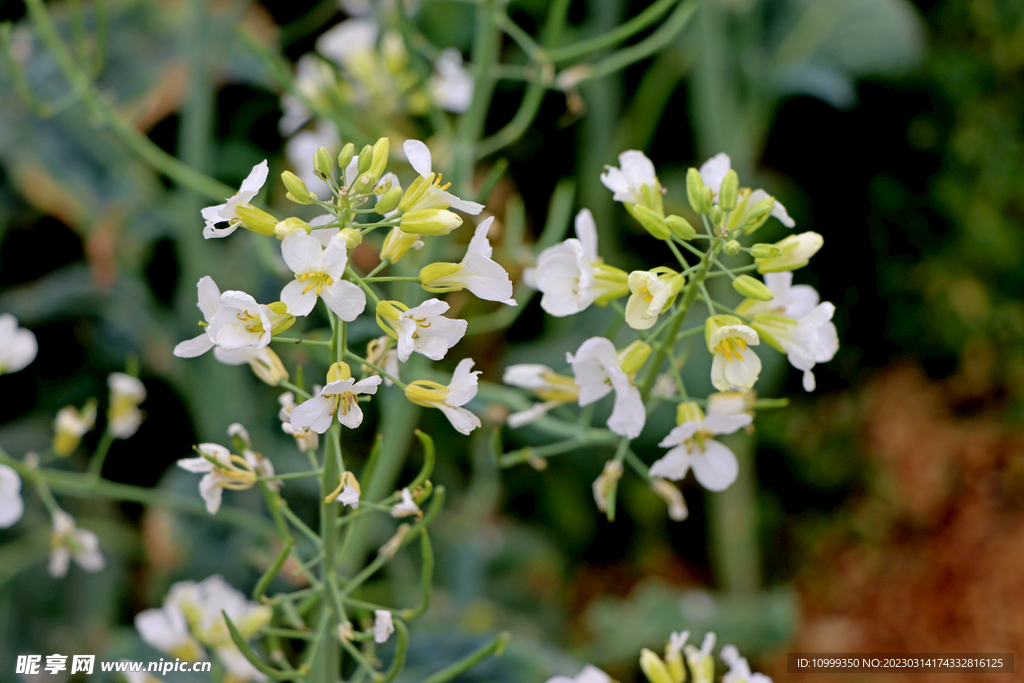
(289, 225)
(323, 165)
(699, 200)
(729, 191)
(297, 190)
(379, 158)
(267, 366)
(430, 222)
(797, 251)
(680, 227)
(339, 372)
(758, 215)
(731, 248)
(688, 411)
(388, 202)
(715, 214)
(397, 243)
(365, 158)
(352, 237)
(765, 250)
(652, 222)
(282, 319)
(430, 274)
(752, 288)
(345, 157)
(653, 667)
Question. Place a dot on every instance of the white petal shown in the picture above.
(302, 252)
(480, 244)
(334, 258)
(427, 308)
(345, 299)
(809, 382)
(535, 412)
(60, 558)
(300, 298)
(199, 464)
(638, 168)
(586, 233)
(673, 465)
(314, 414)
(209, 297)
(254, 181)
(714, 169)
(743, 373)
(463, 386)
(716, 468)
(196, 346)
(680, 433)
(485, 278)
(351, 418)
(419, 157)
(628, 414)
(717, 423)
(211, 492)
(463, 420)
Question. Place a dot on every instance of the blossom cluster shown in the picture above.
(790, 319)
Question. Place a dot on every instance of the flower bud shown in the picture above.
(758, 215)
(702, 663)
(729, 191)
(765, 250)
(797, 251)
(352, 237)
(430, 222)
(731, 248)
(633, 357)
(297, 190)
(389, 201)
(654, 668)
(70, 425)
(379, 158)
(323, 165)
(397, 243)
(257, 220)
(650, 220)
(752, 288)
(365, 159)
(436, 271)
(699, 200)
(388, 314)
(715, 214)
(338, 372)
(288, 225)
(345, 157)
(680, 227)
(267, 366)
(688, 411)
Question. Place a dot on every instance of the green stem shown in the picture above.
(102, 448)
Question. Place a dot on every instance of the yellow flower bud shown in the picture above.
(267, 366)
(797, 251)
(323, 165)
(283, 319)
(396, 244)
(758, 215)
(283, 228)
(681, 227)
(633, 357)
(731, 248)
(688, 411)
(699, 200)
(765, 250)
(70, 425)
(654, 668)
(752, 288)
(430, 222)
(389, 201)
(365, 159)
(729, 191)
(297, 190)
(352, 237)
(339, 371)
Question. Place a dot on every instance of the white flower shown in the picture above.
(70, 425)
(241, 321)
(571, 275)
(796, 323)
(652, 292)
(739, 669)
(597, 371)
(223, 470)
(714, 465)
(635, 182)
(123, 415)
(350, 42)
(378, 353)
(702, 664)
(476, 272)
(450, 399)
(546, 384)
(713, 171)
(349, 496)
(209, 304)
(673, 497)
(18, 347)
(422, 329)
(451, 84)
(407, 507)
(305, 438)
(734, 365)
(318, 273)
(228, 211)
(11, 504)
(383, 626)
(589, 674)
(166, 630)
(426, 192)
(339, 396)
(69, 542)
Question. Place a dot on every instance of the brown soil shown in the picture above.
(933, 557)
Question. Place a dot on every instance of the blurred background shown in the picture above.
(885, 512)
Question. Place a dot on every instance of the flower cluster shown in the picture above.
(671, 669)
(191, 621)
(789, 318)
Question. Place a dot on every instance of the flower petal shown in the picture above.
(716, 468)
(419, 157)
